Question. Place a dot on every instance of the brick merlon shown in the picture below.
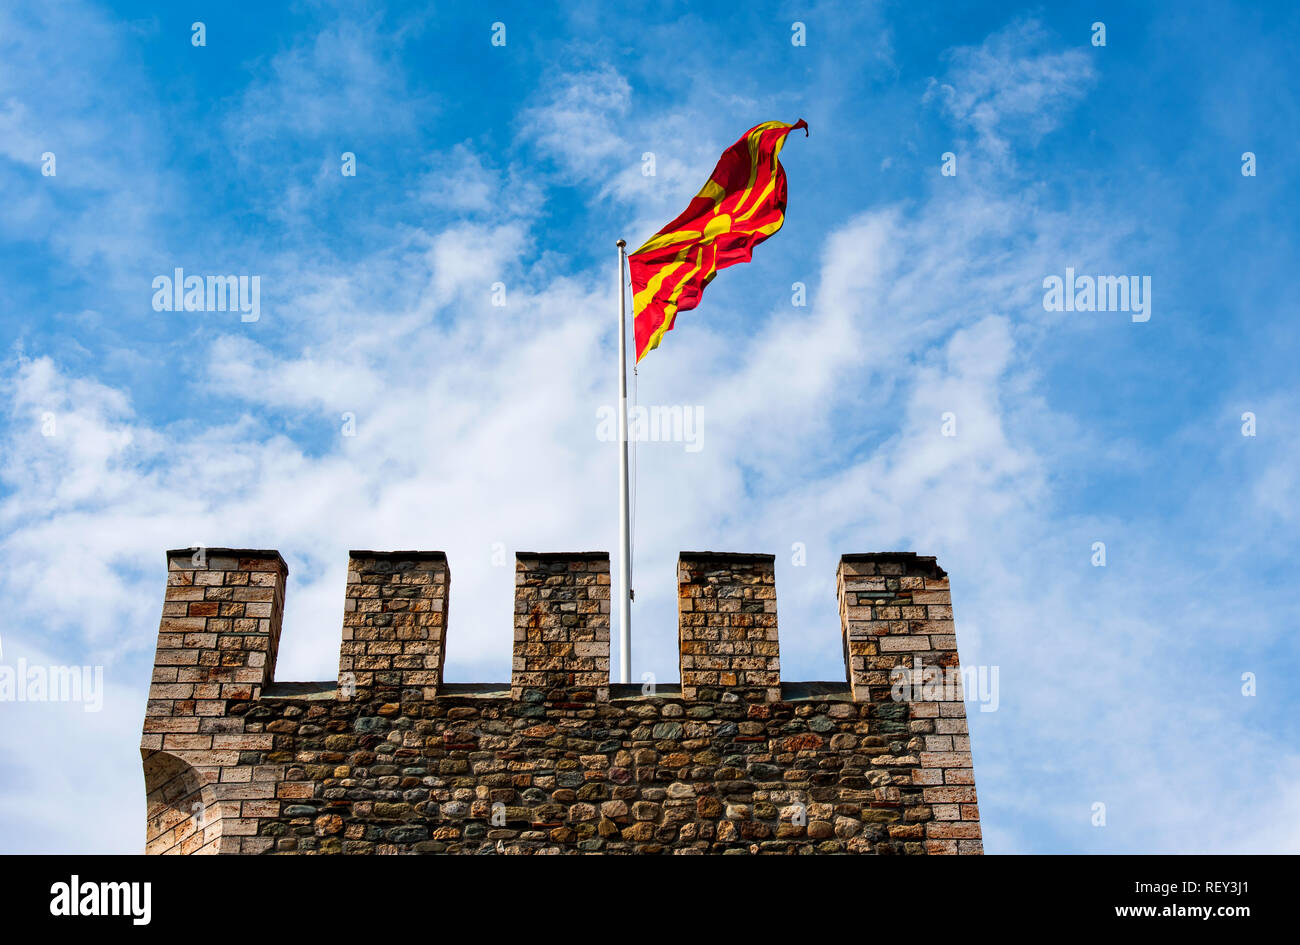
(915, 564)
(565, 555)
(229, 553)
(722, 556)
(401, 555)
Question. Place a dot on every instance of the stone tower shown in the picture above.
(389, 758)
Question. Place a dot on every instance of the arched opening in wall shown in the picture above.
(181, 817)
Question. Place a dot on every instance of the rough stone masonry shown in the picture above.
(389, 758)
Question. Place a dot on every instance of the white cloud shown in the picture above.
(577, 125)
(53, 99)
(1015, 86)
(461, 180)
(345, 79)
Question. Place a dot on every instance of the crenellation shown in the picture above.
(561, 630)
(727, 626)
(390, 759)
(394, 623)
(898, 631)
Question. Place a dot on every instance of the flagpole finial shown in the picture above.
(621, 244)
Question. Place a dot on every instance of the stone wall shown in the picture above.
(206, 776)
(391, 759)
(394, 622)
(896, 611)
(562, 624)
(726, 622)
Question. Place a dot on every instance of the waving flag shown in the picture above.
(742, 204)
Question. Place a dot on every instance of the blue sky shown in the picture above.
(475, 424)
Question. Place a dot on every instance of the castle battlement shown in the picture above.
(389, 758)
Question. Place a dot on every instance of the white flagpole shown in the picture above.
(624, 530)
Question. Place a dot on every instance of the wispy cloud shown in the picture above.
(1013, 88)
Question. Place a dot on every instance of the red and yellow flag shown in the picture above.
(742, 204)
